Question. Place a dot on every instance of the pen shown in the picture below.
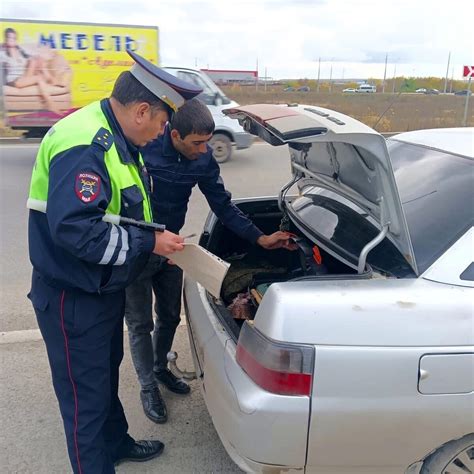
(189, 236)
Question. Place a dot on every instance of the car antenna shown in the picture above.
(386, 110)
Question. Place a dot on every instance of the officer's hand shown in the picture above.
(277, 240)
(166, 243)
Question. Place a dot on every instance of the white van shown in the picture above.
(366, 88)
(228, 132)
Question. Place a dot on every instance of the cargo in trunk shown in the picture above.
(253, 269)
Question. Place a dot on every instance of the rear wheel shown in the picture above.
(455, 457)
(221, 146)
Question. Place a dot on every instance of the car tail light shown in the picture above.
(282, 368)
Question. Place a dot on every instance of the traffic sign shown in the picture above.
(468, 71)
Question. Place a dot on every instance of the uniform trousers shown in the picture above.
(150, 341)
(83, 334)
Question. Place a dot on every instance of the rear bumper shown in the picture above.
(261, 431)
(242, 140)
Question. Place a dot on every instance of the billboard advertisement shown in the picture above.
(49, 69)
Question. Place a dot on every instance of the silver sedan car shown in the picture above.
(354, 353)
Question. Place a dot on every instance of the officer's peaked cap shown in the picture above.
(165, 86)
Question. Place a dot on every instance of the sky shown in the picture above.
(289, 38)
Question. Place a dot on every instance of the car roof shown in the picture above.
(457, 141)
(176, 68)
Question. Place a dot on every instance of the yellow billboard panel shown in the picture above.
(52, 68)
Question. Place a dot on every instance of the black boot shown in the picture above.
(154, 405)
(139, 451)
(171, 382)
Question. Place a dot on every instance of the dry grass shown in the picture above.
(408, 111)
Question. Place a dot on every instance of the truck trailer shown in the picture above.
(60, 67)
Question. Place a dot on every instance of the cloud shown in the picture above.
(287, 36)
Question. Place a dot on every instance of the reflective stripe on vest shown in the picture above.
(78, 129)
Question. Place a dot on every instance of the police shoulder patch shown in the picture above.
(104, 138)
(87, 186)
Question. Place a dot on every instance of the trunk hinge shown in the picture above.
(285, 220)
(373, 243)
(296, 177)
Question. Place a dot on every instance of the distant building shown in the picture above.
(224, 76)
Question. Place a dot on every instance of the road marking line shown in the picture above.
(34, 335)
(26, 335)
(15, 145)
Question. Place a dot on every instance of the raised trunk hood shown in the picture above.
(336, 152)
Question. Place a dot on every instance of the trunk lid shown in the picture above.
(338, 153)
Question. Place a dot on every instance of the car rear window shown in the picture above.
(346, 230)
(437, 194)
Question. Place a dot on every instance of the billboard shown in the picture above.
(50, 69)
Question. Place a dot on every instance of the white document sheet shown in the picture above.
(202, 266)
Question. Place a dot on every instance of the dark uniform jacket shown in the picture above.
(70, 246)
(174, 177)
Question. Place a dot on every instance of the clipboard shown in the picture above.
(203, 266)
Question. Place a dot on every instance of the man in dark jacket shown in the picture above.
(177, 161)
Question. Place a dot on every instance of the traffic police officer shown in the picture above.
(88, 165)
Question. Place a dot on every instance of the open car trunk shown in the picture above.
(253, 268)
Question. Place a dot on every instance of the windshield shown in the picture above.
(437, 194)
(208, 95)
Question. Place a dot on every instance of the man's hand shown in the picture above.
(166, 242)
(277, 240)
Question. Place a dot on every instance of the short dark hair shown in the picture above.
(193, 117)
(8, 31)
(128, 90)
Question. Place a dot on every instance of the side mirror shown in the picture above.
(217, 99)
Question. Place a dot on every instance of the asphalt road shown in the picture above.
(31, 435)
(257, 171)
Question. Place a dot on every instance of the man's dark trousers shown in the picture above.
(83, 334)
(149, 352)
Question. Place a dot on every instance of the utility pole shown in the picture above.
(319, 74)
(256, 79)
(464, 120)
(384, 73)
(265, 79)
(447, 72)
(330, 80)
(452, 79)
(394, 78)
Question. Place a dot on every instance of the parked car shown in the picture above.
(432, 91)
(303, 89)
(421, 90)
(353, 354)
(463, 92)
(228, 134)
(366, 88)
(289, 89)
(349, 90)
